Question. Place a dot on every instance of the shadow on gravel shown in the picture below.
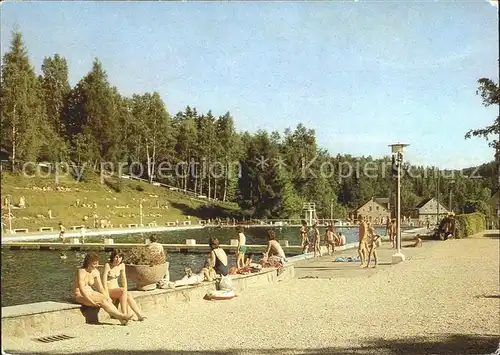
(438, 344)
(492, 235)
(491, 296)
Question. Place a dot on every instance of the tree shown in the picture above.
(186, 143)
(152, 129)
(55, 90)
(93, 110)
(22, 112)
(490, 93)
(230, 150)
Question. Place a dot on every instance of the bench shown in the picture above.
(152, 224)
(21, 230)
(190, 241)
(186, 223)
(77, 227)
(132, 225)
(170, 224)
(46, 229)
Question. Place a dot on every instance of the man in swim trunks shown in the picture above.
(363, 238)
(392, 233)
(241, 249)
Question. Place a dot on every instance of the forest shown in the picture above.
(268, 174)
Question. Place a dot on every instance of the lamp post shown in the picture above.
(397, 152)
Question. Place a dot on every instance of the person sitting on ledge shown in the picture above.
(273, 247)
(218, 257)
(155, 248)
(340, 240)
(88, 276)
(113, 271)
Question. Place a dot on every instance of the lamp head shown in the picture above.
(398, 147)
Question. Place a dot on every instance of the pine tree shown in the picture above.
(22, 111)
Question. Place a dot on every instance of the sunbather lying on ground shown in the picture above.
(249, 267)
(417, 244)
(272, 261)
(206, 274)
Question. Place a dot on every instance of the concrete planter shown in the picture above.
(145, 276)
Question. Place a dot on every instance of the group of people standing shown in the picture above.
(311, 238)
(369, 240)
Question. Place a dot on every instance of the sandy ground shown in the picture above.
(444, 300)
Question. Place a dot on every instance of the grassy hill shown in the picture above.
(116, 200)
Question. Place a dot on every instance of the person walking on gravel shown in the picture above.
(363, 239)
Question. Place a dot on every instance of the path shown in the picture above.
(444, 300)
(324, 267)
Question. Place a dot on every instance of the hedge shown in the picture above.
(469, 224)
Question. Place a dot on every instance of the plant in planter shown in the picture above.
(145, 268)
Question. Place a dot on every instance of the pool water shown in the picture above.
(30, 276)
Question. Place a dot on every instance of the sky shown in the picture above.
(362, 74)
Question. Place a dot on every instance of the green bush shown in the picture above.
(469, 224)
(116, 186)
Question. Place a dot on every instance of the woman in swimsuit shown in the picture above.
(304, 240)
(86, 277)
(113, 271)
(218, 257)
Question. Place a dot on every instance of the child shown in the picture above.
(241, 249)
(61, 232)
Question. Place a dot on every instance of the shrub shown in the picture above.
(115, 186)
(139, 188)
(469, 224)
(142, 256)
(472, 206)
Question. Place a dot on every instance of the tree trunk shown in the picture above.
(201, 177)
(215, 188)
(195, 172)
(14, 140)
(226, 177)
(153, 162)
(148, 160)
(209, 183)
(186, 173)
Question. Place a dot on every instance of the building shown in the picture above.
(376, 210)
(428, 210)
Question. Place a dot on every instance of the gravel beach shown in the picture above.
(444, 300)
